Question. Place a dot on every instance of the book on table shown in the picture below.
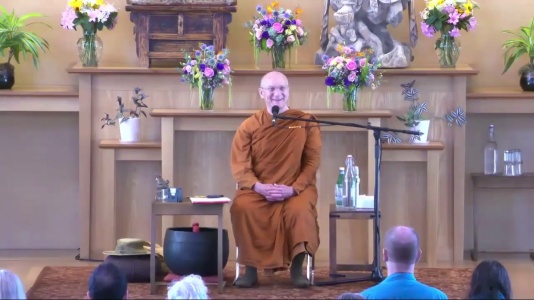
(209, 200)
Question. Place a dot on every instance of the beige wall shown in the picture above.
(481, 48)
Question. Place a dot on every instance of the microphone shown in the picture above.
(275, 111)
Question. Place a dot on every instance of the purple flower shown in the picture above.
(427, 30)
(324, 58)
(220, 66)
(265, 35)
(259, 8)
(346, 82)
(203, 47)
(286, 15)
(287, 22)
(208, 72)
(278, 27)
(329, 81)
(202, 67)
(454, 17)
(454, 32)
(448, 9)
(198, 53)
(472, 23)
(263, 22)
(275, 13)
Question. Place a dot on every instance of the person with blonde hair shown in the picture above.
(189, 287)
(11, 286)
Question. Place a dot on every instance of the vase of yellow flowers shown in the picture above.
(276, 30)
(448, 17)
(92, 16)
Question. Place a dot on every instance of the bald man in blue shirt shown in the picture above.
(401, 252)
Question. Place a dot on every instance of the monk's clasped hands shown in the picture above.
(274, 192)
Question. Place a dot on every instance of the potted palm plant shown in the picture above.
(522, 43)
(16, 40)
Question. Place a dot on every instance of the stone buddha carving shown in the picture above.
(362, 24)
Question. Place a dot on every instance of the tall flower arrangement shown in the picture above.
(276, 30)
(349, 72)
(448, 17)
(92, 16)
(207, 70)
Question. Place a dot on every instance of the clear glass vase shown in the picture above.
(350, 100)
(90, 48)
(206, 98)
(278, 57)
(448, 51)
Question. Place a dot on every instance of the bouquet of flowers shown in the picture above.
(276, 30)
(92, 16)
(207, 71)
(448, 17)
(349, 72)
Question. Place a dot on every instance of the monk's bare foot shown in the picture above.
(248, 280)
(299, 280)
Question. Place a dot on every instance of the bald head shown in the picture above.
(402, 245)
(273, 76)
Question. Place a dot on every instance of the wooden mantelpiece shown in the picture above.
(251, 70)
(500, 101)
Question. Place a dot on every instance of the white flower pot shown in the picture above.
(423, 127)
(129, 130)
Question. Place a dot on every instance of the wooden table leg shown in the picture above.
(333, 244)
(220, 284)
(432, 206)
(152, 254)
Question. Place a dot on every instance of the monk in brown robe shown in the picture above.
(274, 216)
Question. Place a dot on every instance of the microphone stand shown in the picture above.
(376, 272)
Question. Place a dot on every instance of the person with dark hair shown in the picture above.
(350, 296)
(400, 253)
(490, 280)
(107, 282)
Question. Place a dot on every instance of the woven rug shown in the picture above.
(71, 283)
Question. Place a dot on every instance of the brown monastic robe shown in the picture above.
(270, 234)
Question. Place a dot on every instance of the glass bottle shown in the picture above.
(349, 188)
(339, 187)
(490, 154)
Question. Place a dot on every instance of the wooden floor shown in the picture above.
(28, 263)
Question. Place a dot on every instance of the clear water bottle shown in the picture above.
(339, 187)
(349, 184)
(491, 154)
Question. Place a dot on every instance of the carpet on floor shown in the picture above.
(71, 283)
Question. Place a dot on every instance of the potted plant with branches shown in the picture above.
(414, 120)
(128, 118)
(523, 43)
(16, 40)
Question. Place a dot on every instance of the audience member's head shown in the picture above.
(189, 287)
(490, 281)
(401, 250)
(350, 296)
(107, 282)
(11, 286)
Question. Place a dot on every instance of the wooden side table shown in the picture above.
(186, 208)
(482, 181)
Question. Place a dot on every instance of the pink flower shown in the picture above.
(278, 27)
(454, 17)
(472, 23)
(290, 39)
(298, 22)
(269, 43)
(227, 69)
(339, 59)
(300, 31)
(363, 62)
(351, 65)
(329, 61)
(227, 62)
(208, 72)
(352, 76)
(67, 18)
(187, 68)
(427, 29)
(454, 32)
(347, 50)
(258, 34)
(93, 15)
(193, 62)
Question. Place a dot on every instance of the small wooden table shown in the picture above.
(186, 208)
(482, 181)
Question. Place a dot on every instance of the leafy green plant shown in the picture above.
(523, 43)
(15, 39)
(123, 114)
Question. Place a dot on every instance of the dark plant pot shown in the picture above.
(7, 76)
(187, 252)
(527, 81)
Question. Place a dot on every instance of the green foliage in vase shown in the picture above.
(123, 113)
(17, 40)
(521, 44)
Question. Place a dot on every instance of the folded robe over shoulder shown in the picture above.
(267, 233)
